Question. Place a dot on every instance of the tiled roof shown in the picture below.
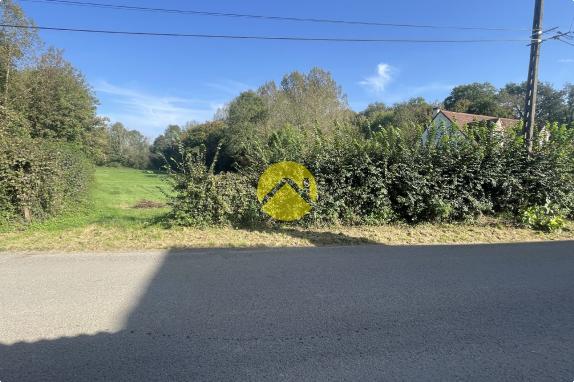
(463, 119)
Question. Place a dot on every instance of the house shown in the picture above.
(453, 122)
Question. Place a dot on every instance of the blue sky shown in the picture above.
(149, 82)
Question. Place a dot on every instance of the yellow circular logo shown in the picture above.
(287, 191)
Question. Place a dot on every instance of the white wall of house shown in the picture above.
(442, 126)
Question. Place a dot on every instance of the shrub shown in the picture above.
(544, 218)
(202, 198)
(386, 178)
(38, 177)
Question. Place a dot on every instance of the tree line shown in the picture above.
(313, 103)
(373, 167)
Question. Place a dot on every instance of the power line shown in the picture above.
(252, 37)
(269, 17)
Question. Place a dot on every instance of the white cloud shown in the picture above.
(379, 82)
(151, 113)
(566, 61)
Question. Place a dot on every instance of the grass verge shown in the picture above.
(103, 238)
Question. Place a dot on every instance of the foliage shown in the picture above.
(407, 116)
(47, 110)
(246, 120)
(207, 136)
(55, 98)
(545, 218)
(373, 168)
(475, 98)
(306, 100)
(39, 177)
(16, 44)
(386, 178)
(128, 148)
(164, 150)
(202, 198)
(554, 105)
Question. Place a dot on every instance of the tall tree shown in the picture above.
(410, 117)
(247, 116)
(552, 103)
(128, 148)
(15, 43)
(312, 100)
(58, 101)
(165, 148)
(475, 98)
(97, 142)
(208, 136)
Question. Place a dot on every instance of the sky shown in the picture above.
(148, 83)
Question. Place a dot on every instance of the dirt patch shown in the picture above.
(148, 204)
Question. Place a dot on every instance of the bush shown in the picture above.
(386, 177)
(202, 198)
(38, 177)
(544, 218)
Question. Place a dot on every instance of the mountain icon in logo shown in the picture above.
(287, 191)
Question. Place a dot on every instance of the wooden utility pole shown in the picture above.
(532, 84)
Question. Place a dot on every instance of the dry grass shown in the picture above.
(105, 238)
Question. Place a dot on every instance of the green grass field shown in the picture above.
(109, 222)
(118, 190)
(114, 194)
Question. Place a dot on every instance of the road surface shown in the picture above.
(438, 313)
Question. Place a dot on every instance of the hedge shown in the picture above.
(38, 178)
(384, 179)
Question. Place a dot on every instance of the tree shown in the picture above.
(312, 100)
(552, 103)
(475, 98)
(118, 143)
(511, 98)
(374, 109)
(208, 136)
(97, 142)
(374, 118)
(57, 100)
(409, 116)
(165, 148)
(247, 117)
(303, 104)
(137, 154)
(15, 43)
(247, 108)
(128, 148)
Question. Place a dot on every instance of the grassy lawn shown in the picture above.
(118, 191)
(112, 202)
(110, 221)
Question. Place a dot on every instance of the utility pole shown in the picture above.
(532, 84)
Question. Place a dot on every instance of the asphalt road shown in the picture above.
(442, 313)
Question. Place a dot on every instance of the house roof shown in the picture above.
(463, 119)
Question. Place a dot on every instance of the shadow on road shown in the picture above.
(346, 313)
